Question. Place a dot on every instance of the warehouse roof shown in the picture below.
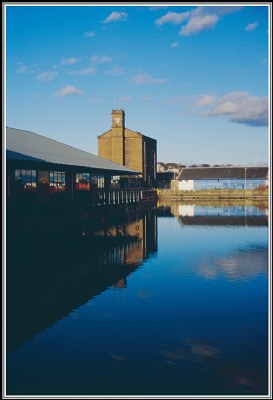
(223, 173)
(29, 146)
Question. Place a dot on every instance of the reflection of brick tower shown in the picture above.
(142, 234)
(129, 148)
(120, 284)
(135, 253)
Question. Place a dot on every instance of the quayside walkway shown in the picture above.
(91, 198)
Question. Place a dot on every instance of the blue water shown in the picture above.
(185, 316)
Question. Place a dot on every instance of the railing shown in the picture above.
(94, 197)
(124, 196)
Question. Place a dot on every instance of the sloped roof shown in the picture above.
(29, 146)
(14, 155)
(223, 173)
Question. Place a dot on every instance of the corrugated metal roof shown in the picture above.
(223, 173)
(24, 145)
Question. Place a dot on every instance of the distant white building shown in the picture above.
(230, 178)
(160, 167)
(185, 184)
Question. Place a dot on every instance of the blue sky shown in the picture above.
(195, 78)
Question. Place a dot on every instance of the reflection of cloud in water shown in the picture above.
(117, 357)
(239, 380)
(144, 294)
(177, 354)
(200, 348)
(253, 344)
(207, 271)
(170, 362)
(249, 379)
(243, 264)
(193, 350)
(242, 376)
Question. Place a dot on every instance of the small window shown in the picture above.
(94, 181)
(100, 181)
(57, 181)
(25, 180)
(43, 177)
(83, 181)
(115, 182)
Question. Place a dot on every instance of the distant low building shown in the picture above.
(169, 167)
(164, 179)
(230, 178)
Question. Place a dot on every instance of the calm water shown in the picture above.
(166, 301)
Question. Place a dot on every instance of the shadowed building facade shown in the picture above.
(43, 171)
(129, 148)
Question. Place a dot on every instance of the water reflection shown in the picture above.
(173, 308)
(53, 272)
(247, 215)
(192, 349)
(240, 264)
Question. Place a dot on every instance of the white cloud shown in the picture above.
(69, 90)
(217, 10)
(175, 44)
(23, 69)
(47, 75)
(70, 61)
(173, 18)
(240, 107)
(101, 59)
(115, 71)
(198, 19)
(205, 100)
(86, 71)
(251, 27)
(90, 34)
(199, 23)
(145, 79)
(156, 8)
(115, 16)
